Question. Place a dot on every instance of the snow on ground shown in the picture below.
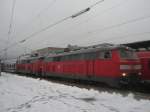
(22, 94)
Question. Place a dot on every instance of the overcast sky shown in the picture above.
(112, 21)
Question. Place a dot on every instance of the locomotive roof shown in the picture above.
(81, 50)
(30, 58)
(90, 49)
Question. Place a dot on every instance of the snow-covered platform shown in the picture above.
(22, 94)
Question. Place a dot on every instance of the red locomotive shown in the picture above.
(145, 61)
(111, 64)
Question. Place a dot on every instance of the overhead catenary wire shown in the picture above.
(106, 10)
(87, 9)
(120, 24)
(10, 46)
(64, 19)
(115, 25)
(45, 9)
(11, 22)
(127, 35)
(105, 40)
(123, 23)
(109, 27)
(52, 25)
(93, 5)
(119, 37)
(102, 12)
(40, 13)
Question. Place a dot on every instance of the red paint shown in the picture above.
(84, 67)
(145, 61)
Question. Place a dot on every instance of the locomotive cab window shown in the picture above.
(127, 54)
(105, 55)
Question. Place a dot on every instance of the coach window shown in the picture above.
(105, 55)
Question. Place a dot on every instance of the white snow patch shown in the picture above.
(22, 94)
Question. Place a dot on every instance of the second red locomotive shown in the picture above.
(145, 61)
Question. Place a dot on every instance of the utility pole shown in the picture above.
(0, 67)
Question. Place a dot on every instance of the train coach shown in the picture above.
(9, 67)
(115, 65)
(145, 62)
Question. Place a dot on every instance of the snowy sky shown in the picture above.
(115, 21)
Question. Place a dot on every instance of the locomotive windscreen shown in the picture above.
(127, 54)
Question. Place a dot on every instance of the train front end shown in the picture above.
(129, 66)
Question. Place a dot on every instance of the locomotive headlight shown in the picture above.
(125, 67)
(124, 74)
(137, 67)
(139, 73)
